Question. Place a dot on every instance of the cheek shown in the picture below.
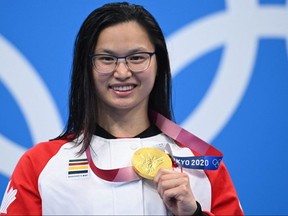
(149, 81)
(153, 74)
(100, 78)
(99, 82)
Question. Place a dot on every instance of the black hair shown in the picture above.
(83, 111)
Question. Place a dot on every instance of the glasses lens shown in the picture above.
(104, 63)
(138, 62)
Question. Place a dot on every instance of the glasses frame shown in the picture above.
(92, 56)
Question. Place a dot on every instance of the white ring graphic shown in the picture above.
(34, 100)
(238, 30)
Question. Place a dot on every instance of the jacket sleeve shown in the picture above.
(224, 197)
(22, 196)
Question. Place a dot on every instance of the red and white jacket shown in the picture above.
(52, 178)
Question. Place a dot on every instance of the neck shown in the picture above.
(124, 123)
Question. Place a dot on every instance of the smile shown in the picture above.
(123, 88)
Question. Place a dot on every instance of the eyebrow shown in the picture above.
(111, 52)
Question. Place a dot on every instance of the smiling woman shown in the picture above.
(123, 89)
(119, 106)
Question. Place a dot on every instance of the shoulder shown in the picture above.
(23, 184)
(46, 148)
(38, 156)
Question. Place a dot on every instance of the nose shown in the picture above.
(122, 71)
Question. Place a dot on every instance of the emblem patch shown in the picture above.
(78, 168)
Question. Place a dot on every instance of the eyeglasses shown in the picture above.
(136, 62)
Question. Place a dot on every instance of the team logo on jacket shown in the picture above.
(78, 168)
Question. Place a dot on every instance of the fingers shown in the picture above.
(172, 184)
(175, 191)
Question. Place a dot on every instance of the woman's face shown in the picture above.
(123, 89)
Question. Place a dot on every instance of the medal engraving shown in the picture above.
(147, 162)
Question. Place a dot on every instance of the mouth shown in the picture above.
(123, 88)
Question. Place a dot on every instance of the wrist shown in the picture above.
(198, 211)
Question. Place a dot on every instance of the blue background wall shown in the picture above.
(230, 76)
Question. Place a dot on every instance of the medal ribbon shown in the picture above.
(124, 174)
(210, 159)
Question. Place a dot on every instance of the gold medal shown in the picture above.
(147, 162)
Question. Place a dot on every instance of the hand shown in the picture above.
(174, 189)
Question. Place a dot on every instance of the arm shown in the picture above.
(22, 196)
(174, 188)
(25, 198)
(224, 196)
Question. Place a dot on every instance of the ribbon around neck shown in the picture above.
(209, 159)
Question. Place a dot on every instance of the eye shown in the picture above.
(137, 58)
(106, 59)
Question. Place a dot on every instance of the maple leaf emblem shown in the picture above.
(9, 197)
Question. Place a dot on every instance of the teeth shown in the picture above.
(123, 88)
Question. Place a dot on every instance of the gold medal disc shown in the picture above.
(147, 162)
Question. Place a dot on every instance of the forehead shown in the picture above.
(123, 37)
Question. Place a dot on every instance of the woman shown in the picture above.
(121, 73)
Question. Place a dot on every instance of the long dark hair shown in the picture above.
(82, 99)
